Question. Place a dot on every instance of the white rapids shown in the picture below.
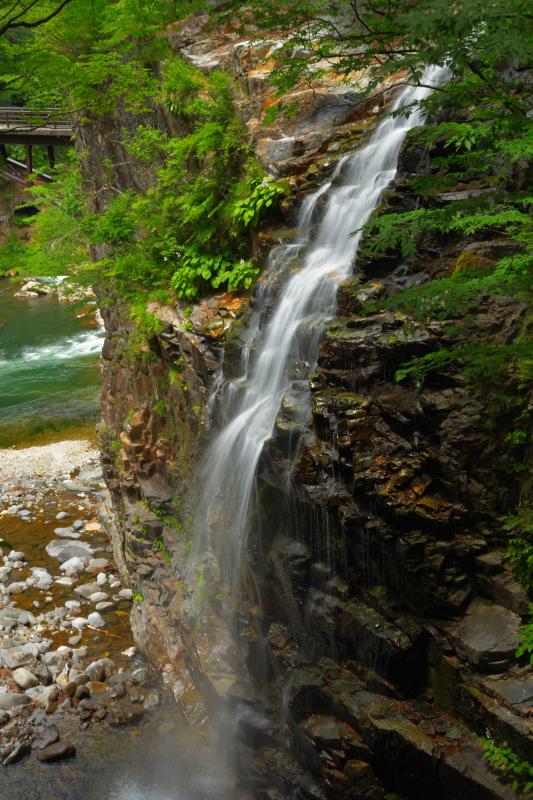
(85, 343)
(293, 332)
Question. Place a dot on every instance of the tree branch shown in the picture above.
(16, 22)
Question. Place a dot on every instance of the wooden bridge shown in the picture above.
(29, 127)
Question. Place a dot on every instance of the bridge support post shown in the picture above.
(51, 156)
(29, 159)
(3, 152)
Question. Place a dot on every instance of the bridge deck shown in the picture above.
(27, 126)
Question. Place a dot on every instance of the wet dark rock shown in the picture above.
(81, 692)
(255, 729)
(359, 773)
(140, 676)
(70, 689)
(465, 773)
(57, 752)
(291, 558)
(376, 641)
(42, 672)
(516, 691)
(505, 590)
(328, 732)
(19, 751)
(116, 692)
(48, 736)
(487, 636)
(126, 715)
(88, 704)
(151, 698)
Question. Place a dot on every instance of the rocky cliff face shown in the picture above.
(384, 639)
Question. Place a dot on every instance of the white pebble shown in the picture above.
(96, 619)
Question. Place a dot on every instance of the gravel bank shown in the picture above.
(55, 460)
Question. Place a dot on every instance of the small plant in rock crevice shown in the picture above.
(525, 639)
(161, 547)
(160, 408)
(519, 551)
(505, 761)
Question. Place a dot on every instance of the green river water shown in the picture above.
(49, 372)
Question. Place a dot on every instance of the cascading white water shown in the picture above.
(294, 329)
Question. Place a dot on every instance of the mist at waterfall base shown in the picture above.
(286, 329)
(49, 373)
(165, 759)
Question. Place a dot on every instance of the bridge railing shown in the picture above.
(27, 118)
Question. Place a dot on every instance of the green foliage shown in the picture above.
(461, 295)
(182, 86)
(401, 232)
(146, 326)
(197, 268)
(209, 189)
(12, 253)
(138, 597)
(117, 224)
(505, 761)
(482, 363)
(60, 231)
(147, 144)
(519, 551)
(525, 639)
(160, 408)
(90, 57)
(160, 546)
(248, 211)
(188, 232)
(27, 14)
(145, 322)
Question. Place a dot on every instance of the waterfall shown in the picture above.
(317, 261)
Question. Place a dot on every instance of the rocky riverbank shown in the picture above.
(67, 659)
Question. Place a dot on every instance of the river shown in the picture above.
(49, 372)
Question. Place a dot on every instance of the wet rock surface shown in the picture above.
(487, 636)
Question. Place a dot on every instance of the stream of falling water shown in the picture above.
(293, 331)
